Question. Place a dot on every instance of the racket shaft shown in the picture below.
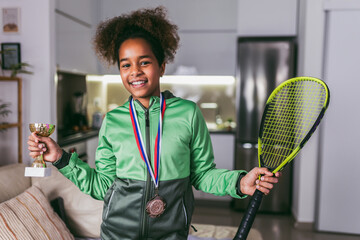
(249, 216)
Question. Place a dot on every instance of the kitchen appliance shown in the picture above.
(79, 118)
(73, 131)
(262, 64)
(71, 103)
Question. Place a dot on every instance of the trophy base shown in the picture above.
(37, 172)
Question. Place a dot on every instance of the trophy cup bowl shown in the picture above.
(38, 167)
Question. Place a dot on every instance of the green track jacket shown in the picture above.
(122, 179)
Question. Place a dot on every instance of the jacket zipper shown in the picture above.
(143, 228)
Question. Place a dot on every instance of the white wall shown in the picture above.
(339, 194)
(310, 63)
(37, 48)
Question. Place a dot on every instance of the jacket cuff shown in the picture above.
(63, 161)
(238, 191)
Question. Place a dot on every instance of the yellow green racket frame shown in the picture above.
(310, 132)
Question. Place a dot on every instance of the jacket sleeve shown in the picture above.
(204, 174)
(94, 182)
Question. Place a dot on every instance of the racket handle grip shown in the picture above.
(249, 216)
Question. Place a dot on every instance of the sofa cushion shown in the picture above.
(30, 216)
(83, 213)
(12, 181)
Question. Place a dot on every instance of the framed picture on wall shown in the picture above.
(10, 55)
(11, 20)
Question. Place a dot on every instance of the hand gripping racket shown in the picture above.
(292, 114)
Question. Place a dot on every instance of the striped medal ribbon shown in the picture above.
(140, 143)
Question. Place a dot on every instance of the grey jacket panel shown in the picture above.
(125, 217)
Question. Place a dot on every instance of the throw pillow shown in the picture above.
(83, 213)
(30, 216)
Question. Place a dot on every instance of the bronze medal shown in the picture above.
(156, 206)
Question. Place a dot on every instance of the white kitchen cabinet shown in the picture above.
(208, 36)
(203, 15)
(224, 149)
(91, 146)
(207, 30)
(74, 50)
(75, 28)
(267, 18)
(188, 15)
(223, 144)
(211, 53)
(84, 10)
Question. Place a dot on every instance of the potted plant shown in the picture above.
(16, 68)
(19, 68)
(4, 112)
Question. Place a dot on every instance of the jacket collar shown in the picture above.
(155, 101)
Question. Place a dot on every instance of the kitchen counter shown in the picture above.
(70, 138)
(221, 132)
(215, 131)
(223, 143)
(66, 138)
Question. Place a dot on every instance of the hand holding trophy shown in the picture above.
(38, 167)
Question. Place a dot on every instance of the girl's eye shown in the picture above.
(145, 63)
(125, 65)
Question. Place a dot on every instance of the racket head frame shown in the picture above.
(307, 136)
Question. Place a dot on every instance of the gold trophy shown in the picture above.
(38, 167)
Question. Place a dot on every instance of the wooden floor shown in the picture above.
(271, 226)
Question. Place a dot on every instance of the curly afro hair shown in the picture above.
(149, 24)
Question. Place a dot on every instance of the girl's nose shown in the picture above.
(135, 70)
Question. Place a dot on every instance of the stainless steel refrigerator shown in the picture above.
(262, 64)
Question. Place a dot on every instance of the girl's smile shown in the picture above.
(140, 70)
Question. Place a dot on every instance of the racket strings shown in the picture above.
(288, 119)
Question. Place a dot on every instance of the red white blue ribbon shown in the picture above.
(140, 143)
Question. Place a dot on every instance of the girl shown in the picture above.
(155, 147)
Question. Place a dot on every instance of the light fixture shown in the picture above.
(209, 105)
(104, 78)
(172, 79)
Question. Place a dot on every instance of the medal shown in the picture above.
(156, 206)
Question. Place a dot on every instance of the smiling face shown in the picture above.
(139, 70)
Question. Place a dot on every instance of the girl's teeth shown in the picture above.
(138, 83)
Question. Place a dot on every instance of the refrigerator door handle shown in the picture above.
(249, 145)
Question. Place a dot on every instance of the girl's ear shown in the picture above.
(162, 69)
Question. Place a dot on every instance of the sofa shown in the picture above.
(54, 208)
